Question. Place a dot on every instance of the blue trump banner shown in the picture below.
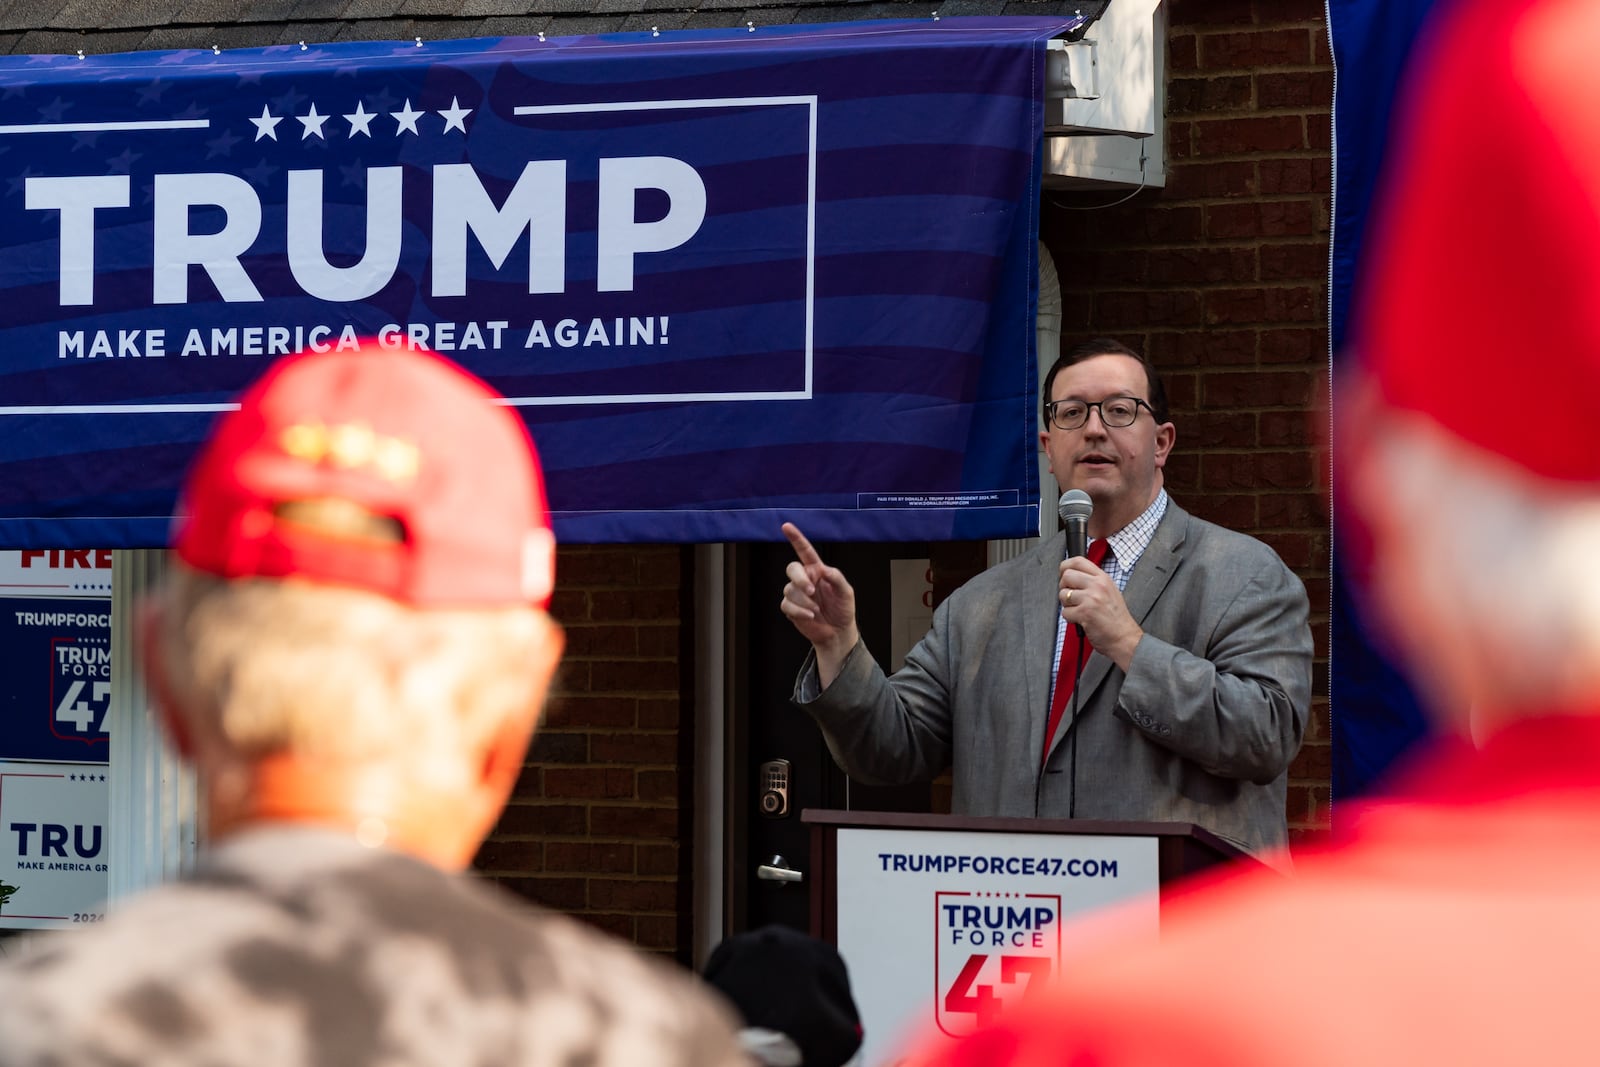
(727, 278)
(1375, 715)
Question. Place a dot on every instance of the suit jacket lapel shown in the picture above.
(1150, 576)
(1040, 610)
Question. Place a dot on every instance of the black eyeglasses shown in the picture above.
(1116, 412)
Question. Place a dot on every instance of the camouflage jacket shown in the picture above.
(292, 946)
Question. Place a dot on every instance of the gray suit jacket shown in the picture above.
(1200, 729)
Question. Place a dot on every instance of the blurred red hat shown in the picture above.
(403, 437)
(1479, 304)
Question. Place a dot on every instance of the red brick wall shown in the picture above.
(600, 826)
(1222, 278)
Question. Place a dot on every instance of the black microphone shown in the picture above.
(1075, 507)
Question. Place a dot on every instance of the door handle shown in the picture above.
(777, 869)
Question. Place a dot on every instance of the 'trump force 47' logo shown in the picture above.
(994, 950)
(80, 688)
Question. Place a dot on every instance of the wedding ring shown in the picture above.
(1069, 596)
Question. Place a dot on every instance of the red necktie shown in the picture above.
(1073, 649)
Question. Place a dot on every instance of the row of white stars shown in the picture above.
(455, 118)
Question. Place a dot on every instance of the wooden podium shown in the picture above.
(944, 921)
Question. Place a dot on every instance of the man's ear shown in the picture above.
(509, 748)
(1166, 437)
(148, 643)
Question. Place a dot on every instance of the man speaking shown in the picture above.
(1162, 675)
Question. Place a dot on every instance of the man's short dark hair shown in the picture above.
(1105, 346)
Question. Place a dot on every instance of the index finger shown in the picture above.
(803, 551)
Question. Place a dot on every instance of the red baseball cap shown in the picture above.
(1479, 304)
(404, 436)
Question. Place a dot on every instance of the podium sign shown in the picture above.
(944, 932)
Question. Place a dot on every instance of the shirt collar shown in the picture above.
(1129, 543)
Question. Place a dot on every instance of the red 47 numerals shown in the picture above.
(968, 996)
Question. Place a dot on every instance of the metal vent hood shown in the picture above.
(1105, 99)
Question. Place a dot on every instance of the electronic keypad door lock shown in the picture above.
(772, 786)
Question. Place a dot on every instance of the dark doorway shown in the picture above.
(767, 728)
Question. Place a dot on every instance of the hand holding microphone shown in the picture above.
(1089, 598)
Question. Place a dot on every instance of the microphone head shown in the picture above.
(1075, 504)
